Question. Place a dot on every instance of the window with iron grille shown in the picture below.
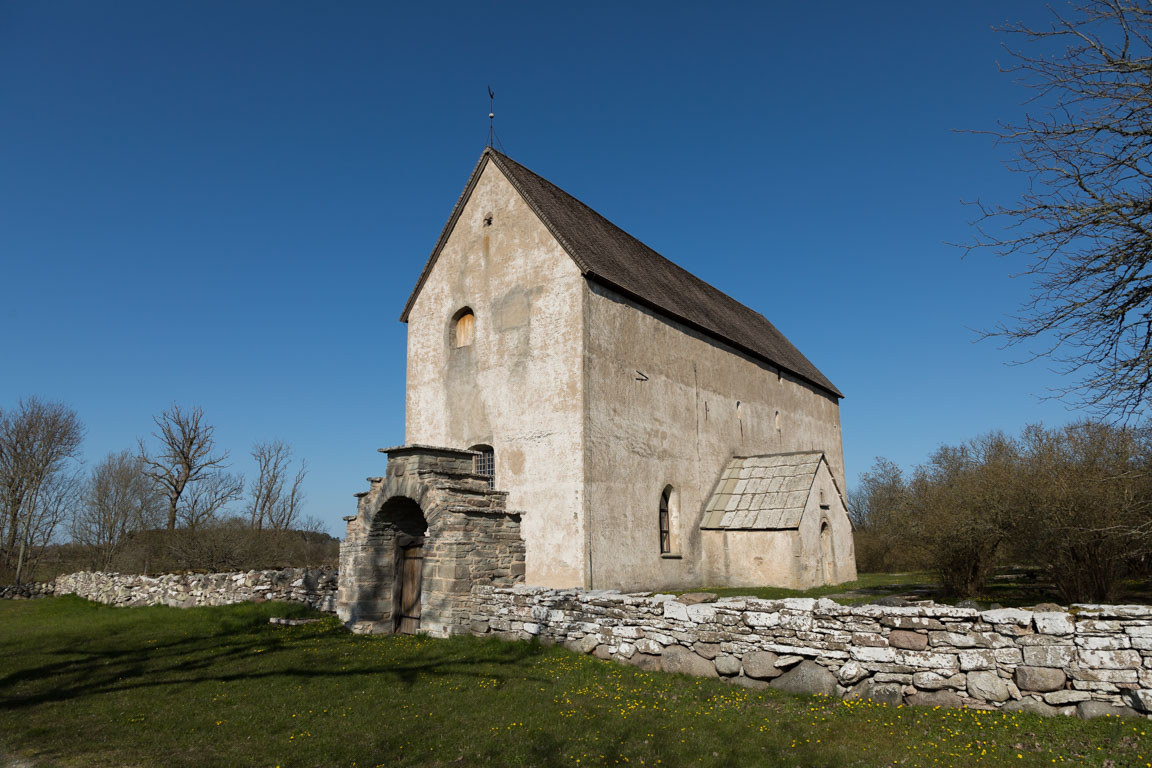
(484, 463)
(665, 523)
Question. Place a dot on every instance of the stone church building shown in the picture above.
(581, 412)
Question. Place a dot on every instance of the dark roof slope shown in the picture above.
(611, 256)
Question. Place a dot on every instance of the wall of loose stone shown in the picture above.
(315, 587)
(1089, 661)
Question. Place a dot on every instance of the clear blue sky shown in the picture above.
(226, 204)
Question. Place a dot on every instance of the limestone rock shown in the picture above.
(1008, 616)
(1090, 709)
(586, 644)
(1049, 655)
(911, 622)
(1054, 622)
(807, 677)
(851, 672)
(707, 650)
(645, 662)
(1032, 706)
(727, 665)
(935, 699)
(761, 664)
(692, 598)
(881, 693)
(987, 686)
(1041, 679)
(749, 682)
(931, 681)
(1140, 700)
(1056, 698)
(679, 659)
(1046, 608)
(912, 641)
(650, 647)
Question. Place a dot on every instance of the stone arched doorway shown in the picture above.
(424, 534)
(404, 518)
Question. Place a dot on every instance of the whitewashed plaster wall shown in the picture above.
(519, 386)
(662, 410)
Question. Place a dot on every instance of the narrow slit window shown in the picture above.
(665, 528)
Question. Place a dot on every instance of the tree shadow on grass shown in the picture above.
(196, 660)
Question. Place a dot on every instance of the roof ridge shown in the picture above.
(627, 234)
(611, 256)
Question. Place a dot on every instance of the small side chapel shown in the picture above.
(581, 412)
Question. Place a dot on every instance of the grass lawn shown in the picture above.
(83, 684)
(1011, 587)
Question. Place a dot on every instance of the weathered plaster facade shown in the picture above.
(599, 400)
(696, 404)
(519, 386)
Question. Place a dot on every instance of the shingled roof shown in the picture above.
(763, 492)
(610, 256)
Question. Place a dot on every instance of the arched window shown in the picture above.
(484, 463)
(463, 328)
(669, 518)
(827, 555)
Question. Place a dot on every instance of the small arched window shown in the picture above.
(463, 328)
(484, 463)
(669, 516)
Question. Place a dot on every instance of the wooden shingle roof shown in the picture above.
(763, 492)
(610, 256)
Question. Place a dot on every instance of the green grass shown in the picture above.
(1011, 587)
(868, 587)
(89, 685)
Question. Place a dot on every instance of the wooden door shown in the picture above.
(410, 573)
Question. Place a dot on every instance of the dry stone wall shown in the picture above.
(315, 587)
(1090, 660)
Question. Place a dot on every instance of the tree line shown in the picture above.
(1074, 503)
(169, 503)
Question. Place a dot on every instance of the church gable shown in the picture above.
(608, 255)
(763, 492)
(491, 234)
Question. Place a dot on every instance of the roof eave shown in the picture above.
(447, 231)
(708, 332)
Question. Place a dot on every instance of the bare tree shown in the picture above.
(962, 500)
(185, 458)
(879, 510)
(1085, 224)
(39, 443)
(119, 499)
(1085, 511)
(276, 496)
(206, 497)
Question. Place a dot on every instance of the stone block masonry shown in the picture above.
(1092, 660)
(315, 587)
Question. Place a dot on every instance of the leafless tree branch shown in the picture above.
(1085, 224)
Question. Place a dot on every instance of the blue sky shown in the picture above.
(226, 204)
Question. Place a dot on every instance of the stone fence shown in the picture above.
(1089, 661)
(315, 587)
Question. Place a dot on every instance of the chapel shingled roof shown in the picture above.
(763, 492)
(610, 256)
